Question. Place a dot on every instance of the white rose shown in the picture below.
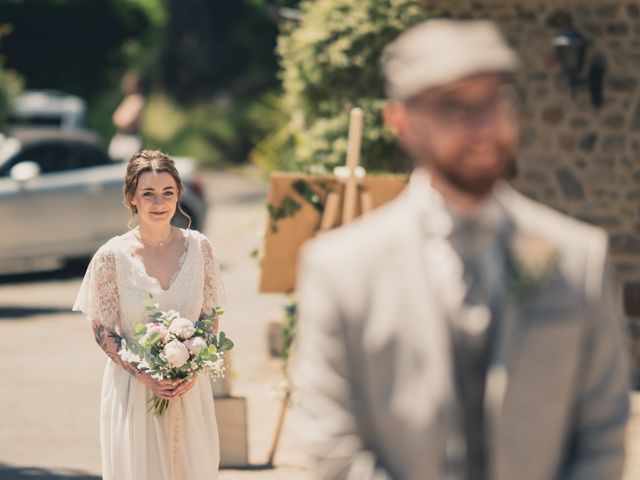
(195, 344)
(182, 327)
(176, 353)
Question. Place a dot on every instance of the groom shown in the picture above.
(463, 331)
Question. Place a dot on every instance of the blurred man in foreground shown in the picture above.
(463, 331)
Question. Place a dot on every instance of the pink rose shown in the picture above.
(195, 344)
(158, 328)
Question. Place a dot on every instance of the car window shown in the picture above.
(49, 157)
(81, 155)
(59, 157)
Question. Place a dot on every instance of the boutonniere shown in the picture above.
(532, 263)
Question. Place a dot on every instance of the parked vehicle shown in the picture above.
(49, 108)
(61, 197)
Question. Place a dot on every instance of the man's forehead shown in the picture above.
(473, 87)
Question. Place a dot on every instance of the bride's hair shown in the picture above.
(149, 161)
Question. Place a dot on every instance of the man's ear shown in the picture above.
(394, 116)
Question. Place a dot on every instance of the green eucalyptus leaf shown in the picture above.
(140, 329)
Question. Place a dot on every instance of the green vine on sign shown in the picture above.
(311, 197)
(287, 209)
(289, 206)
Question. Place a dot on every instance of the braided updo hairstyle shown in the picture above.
(149, 161)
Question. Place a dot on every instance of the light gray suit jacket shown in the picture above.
(373, 362)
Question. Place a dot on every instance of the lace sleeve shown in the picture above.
(98, 295)
(214, 292)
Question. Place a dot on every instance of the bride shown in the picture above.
(179, 269)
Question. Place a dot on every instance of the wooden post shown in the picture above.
(354, 142)
(351, 175)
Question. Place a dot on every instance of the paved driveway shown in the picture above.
(51, 369)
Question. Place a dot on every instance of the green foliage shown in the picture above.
(289, 330)
(215, 130)
(330, 63)
(218, 45)
(74, 45)
(10, 86)
(224, 344)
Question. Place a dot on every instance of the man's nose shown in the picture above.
(484, 124)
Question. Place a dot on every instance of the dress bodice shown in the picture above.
(116, 284)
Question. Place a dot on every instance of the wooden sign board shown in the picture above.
(296, 204)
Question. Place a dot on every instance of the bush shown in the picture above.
(330, 63)
(10, 87)
(222, 129)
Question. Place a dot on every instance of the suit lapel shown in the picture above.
(509, 345)
(499, 376)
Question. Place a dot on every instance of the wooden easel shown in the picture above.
(351, 176)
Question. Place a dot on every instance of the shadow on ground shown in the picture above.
(15, 311)
(73, 269)
(8, 472)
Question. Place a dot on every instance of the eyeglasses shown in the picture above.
(454, 113)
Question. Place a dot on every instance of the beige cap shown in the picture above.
(439, 51)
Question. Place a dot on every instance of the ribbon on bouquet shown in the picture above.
(175, 438)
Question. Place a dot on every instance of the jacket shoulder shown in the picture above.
(561, 229)
(363, 239)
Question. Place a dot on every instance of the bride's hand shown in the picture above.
(162, 388)
(184, 387)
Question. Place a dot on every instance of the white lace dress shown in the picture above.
(136, 445)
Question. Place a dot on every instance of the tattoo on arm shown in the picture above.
(109, 341)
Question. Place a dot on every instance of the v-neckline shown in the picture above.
(173, 279)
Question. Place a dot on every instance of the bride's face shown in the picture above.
(156, 197)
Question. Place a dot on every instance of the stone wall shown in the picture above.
(580, 159)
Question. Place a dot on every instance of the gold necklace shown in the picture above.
(160, 244)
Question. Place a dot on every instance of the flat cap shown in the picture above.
(437, 52)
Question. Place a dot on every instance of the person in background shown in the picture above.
(463, 331)
(128, 120)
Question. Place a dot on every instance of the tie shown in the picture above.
(473, 332)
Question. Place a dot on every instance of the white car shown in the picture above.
(61, 198)
(49, 108)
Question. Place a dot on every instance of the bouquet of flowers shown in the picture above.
(170, 347)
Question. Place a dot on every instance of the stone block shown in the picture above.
(231, 414)
(528, 136)
(604, 221)
(553, 115)
(571, 187)
(622, 83)
(534, 176)
(580, 122)
(618, 29)
(635, 119)
(607, 11)
(567, 142)
(625, 244)
(588, 142)
(613, 120)
(613, 143)
(632, 298)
